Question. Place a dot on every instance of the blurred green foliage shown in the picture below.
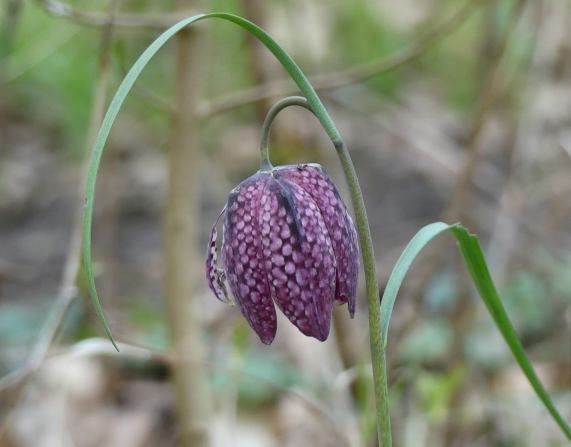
(52, 71)
(428, 342)
(436, 390)
(148, 324)
(21, 324)
(262, 378)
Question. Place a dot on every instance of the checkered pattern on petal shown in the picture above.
(315, 181)
(215, 275)
(298, 257)
(242, 257)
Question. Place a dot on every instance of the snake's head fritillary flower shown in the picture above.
(288, 239)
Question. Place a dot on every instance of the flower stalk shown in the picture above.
(378, 358)
(367, 252)
(265, 163)
(378, 355)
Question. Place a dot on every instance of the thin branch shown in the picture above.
(462, 188)
(531, 136)
(346, 77)
(463, 185)
(153, 21)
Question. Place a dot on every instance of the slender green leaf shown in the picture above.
(124, 88)
(473, 256)
(414, 247)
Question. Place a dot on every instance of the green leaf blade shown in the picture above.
(412, 250)
(474, 259)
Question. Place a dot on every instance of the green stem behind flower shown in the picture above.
(265, 163)
(375, 334)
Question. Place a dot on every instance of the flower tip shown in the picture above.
(350, 305)
(323, 336)
(267, 340)
(321, 330)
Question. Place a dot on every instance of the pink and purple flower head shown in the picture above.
(288, 239)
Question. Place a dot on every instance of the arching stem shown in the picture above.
(265, 163)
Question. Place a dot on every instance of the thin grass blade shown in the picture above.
(473, 256)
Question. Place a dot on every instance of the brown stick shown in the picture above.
(462, 188)
(464, 311)
(254, 10)
(181, 251)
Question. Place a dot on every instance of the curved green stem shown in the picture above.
(265, 163)
(373, 301)
(377, 352)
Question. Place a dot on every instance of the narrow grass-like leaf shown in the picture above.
(473, 256)
(412, 250)
(124, 88)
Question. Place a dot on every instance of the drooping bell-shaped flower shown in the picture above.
(288, 239)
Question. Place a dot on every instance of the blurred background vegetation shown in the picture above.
(455, 110)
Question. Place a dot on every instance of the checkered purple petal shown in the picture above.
(242, 256)
(315, 181)
(298, 257)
